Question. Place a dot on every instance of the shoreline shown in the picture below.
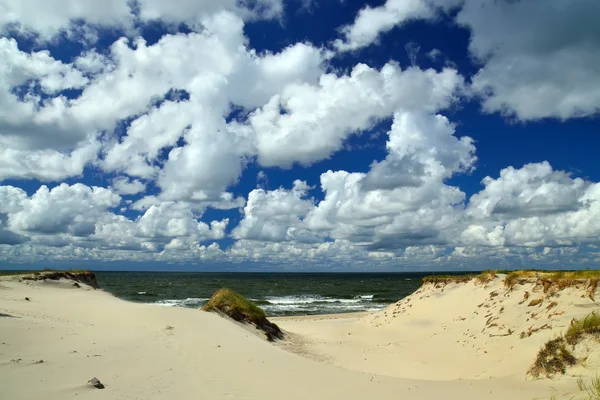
(318, 317)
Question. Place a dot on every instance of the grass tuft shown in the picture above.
(591, 390)
(590, 325)
(486, 277)
(553, 358)
(238, 308)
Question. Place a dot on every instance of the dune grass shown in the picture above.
(590, 325)
(591, 390)
(588, 391)
(555, 356)
(483, 278)
(235, 306)
(446, 279)
(240, 309)
(549, 279)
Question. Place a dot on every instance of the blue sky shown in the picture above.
(299, 135)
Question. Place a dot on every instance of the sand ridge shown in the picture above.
(453, 331)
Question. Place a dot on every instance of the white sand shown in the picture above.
(421, 353)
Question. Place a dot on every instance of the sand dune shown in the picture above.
(455, 331)
(434, 344)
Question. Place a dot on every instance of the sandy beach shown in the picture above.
(436, 343)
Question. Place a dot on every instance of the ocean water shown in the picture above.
(278, 294)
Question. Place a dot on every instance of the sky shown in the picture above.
(300, 135)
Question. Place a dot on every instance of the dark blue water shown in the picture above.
(277, 294)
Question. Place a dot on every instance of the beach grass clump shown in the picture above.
(235, 306)
(553, 358)
(238, 308)
(590, 325)
(590, 390)
(486, 277)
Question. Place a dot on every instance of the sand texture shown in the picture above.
(439, 343)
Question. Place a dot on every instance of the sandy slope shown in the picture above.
(82, 333)
(459, 331)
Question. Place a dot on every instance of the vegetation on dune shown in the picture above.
(11, 273)
(551, 281)
(591, 391)
(446, 279)
(555, 356)
(486, 276)
(238, 308)
(483, 278)
(588, 391)
(77, 275)
(535, 302)
(555, 279)
(590, 325)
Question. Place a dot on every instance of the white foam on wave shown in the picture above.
(310, 299)
(189, 302)
(314, 304)
(284, 305)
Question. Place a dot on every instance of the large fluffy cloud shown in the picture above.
(63, 16)
(532, 67)
(534, 206)
(173, 123)
(276, 216)
(373, 21)
(49, 136)
(307, 123)
(536, 67)
(64, 209)
(403, 199)
(85, 216)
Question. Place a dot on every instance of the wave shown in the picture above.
(295, 305)
(303, 309)
(311, 299)
(149, 294)
(315, 304)
(190, 302)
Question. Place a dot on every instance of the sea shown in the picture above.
(278, 294)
